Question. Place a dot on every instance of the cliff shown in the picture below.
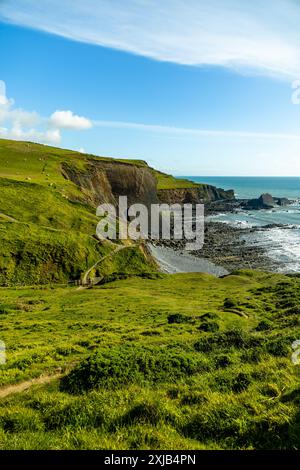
(203, 193)
(104, 181)
(48, 200)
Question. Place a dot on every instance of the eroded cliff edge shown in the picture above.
(203, 193)
(104, 181)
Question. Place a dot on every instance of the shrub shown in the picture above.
(241, 382)
(230, 303)
(128, 364)
(252, 356)
(292, 311)
(20, 419)
(76, 413)
(271, 390)
(205, 344)
(209, 316)
(178, 318)
(147, 412)
(234, 338)
(220, 421)
(278, 347)
(209, 327)
(264, 325)
(193, 398)
(223, 361)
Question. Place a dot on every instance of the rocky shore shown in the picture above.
(265, 201)
(225, 247)
(234, 247)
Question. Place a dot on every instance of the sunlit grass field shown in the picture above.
(183, 361)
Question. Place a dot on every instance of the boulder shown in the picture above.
(282, 201)
(265, 201)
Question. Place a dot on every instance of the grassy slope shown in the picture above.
(46, 234)
(165, 181)
(224, 381)
(40, 163)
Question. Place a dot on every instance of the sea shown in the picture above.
(282, 244)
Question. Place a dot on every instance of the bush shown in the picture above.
(77, 413)
(209, 326)
(230, 303)
(241, 382)
(146, 412)
(252, 356)
(234, 338)
(278, 347)
(264, 325)
(205, 344)
(209, 316)
(193, 398)
(20, 419)
(221, 421)
(271, 390)
(128, 364)
(223, 361)
(178, 318)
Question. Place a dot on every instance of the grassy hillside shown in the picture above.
(165, 181)
(154, 372)
(46, 226)
(145, 361)
(41, 164)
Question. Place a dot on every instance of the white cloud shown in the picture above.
(19, 116)
(184, 131)
(68, 120)
(27, 125)
(4, 101)
(17, 133)
(19, 124)
(261, 35)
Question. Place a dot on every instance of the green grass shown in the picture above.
(144, 373)
(47, 224)
(149, 361)
(40, 164)
(165, 181)
(47, 227)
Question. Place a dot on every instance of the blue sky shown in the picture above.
(192, 89)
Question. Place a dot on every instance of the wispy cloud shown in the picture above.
(183, 131)
(19, 124)
(260, 36)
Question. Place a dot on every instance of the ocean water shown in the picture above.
(252, 186)
(282, 244)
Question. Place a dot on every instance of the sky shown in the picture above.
(192, 87)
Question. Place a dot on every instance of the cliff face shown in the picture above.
(201, 194)
(103, 181)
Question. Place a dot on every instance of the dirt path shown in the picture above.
(21, 387)
(7, 217)
(112, 253)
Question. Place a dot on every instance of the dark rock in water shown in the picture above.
(282, 201)
(215, 207)
(265, 201)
